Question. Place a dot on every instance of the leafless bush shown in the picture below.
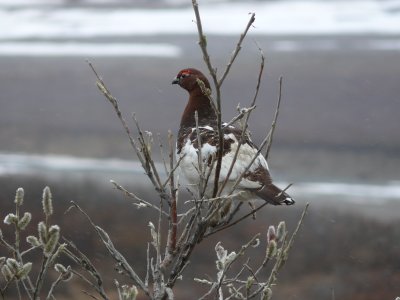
(171, 247)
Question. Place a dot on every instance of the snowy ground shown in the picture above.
(55, 28)
(125, 172)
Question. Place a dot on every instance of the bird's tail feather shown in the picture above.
(274, 195)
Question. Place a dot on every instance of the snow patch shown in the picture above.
(87, 49)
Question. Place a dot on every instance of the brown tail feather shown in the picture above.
(274, 195)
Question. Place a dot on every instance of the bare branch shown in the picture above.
(173, 215)
(118, 257)
(134, 196)
(213, 73)
(244, 128)
(237, 49)
(53, 286)
(105, 91)
(272, 130)
(145, 147)
(203, 43)
(237, 221)
(84, 262)
(160, 145)
(243, 248)
(242, 113)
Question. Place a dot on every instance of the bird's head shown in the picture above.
(187, 79)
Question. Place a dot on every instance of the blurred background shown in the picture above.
(337, 137)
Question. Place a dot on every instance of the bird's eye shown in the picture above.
(184, 75)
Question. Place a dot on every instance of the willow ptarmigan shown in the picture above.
(256, 181)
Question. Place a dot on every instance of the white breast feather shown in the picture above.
(189, 164)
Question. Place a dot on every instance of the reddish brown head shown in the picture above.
(187, 79)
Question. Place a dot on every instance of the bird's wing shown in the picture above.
(248, 161)
(255, 177)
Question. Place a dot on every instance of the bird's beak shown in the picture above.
(175, 81)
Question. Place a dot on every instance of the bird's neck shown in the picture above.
(200, 103)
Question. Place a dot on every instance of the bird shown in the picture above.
(256, 182)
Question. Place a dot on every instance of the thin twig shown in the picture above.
(84, 262)
(213, 73)
(53, 286)
(200, 162)
(114, 252)
(172, 170)
(237, 221)
(146, 152)
(132, 195)
(161, 146)
(273, 126)
(105, 91)
(174, 196)
(244, 129)
(173, 215)
(283, 255)
(291, 240)
(241, 114)
(237, 49)
(90, 295)
(243, 248)
(203, 43)
(40, 278)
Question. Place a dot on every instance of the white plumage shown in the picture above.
(255, 178)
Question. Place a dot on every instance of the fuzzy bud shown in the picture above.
(206, 91)
(33, 241)
(8, 275)
(154, 234)
(10, 219)
(140, 205)
(19, 196)
(47, 202)
(13, 265)
(129, 293)
(67, 276)
(231, 256)
(54, 229)
(2, 260)
(42, 230)
(60, 268)
(54, 236)
(221, 255)
(66, 273)
(271, 235)
(219, 265)
(24, 221)
(271, 249)
(221, 252)
(24, 270)
(203, 281)
(281, 231)
(266, 294)
(234, 292)
(256, 243)
(249, 283)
